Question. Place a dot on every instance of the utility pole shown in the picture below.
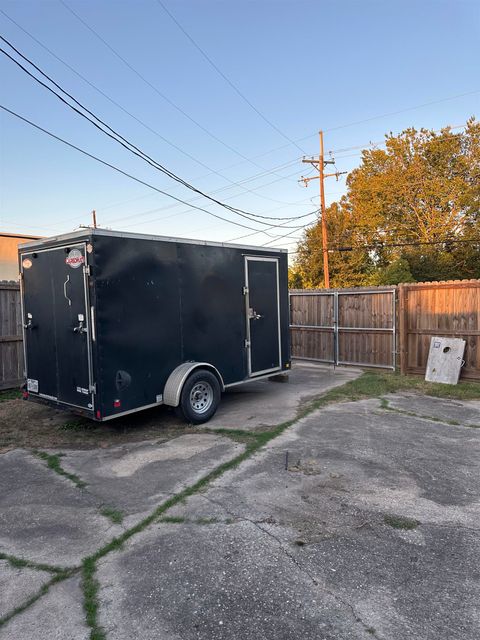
(94, 219)
(320, 164)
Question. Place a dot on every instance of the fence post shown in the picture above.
(402, 327)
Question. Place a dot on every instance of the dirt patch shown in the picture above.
(26, 424)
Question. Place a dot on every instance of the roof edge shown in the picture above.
(144, 236)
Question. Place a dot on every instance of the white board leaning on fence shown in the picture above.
(445, 360)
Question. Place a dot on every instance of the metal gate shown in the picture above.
(355, 327)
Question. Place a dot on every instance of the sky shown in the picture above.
(356, 69)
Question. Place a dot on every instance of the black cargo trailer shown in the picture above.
(117, 322)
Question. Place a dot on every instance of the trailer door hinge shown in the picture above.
(86, 269)
(245, 291)
(247, 343)
(93, 388)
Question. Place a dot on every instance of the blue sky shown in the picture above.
(305, 65)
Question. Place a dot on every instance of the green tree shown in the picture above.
(416, 201)
(394, 273)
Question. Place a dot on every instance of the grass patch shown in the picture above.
(53, 463)
(77, 425)
(21, 563)
(384, 404)
(90, 587)
(10, 394)
(115, 515)
(400, 522)
(373, 384)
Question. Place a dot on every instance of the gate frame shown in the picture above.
(337, 329)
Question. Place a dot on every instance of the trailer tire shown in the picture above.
(200, 397)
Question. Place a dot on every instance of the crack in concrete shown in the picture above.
(94, 629)
(56, 579)
(385, 406)
(300, 567)
(23, 563)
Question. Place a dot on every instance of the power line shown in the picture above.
(227, 79)
(439, 101)
(371, 119)
(119, 138)
(335, 128)
(156, 209)
(128, 175)
(136, 118)
(394, 113)
(154, 88)
(299, 217)
(248, 235)
(287, 235)
(416, 243)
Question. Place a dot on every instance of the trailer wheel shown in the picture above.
(200, 397)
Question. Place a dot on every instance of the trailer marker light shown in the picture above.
(116, 404)
(99, 415)
(25, 395)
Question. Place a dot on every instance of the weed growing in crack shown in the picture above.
(385, 404)
(59, 577)
(114, 515)
(53, 463)
(400, 522)
(90, 587)
(21, 563)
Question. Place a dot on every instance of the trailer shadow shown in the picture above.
(251, 407)
(25, 424)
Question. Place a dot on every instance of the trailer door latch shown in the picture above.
(81, 328)
(93, 388)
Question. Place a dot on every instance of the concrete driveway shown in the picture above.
(360, 520)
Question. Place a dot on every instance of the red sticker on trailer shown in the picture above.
(75, 259)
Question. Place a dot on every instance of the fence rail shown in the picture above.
(11, 346)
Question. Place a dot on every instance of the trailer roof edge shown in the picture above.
(144, 236)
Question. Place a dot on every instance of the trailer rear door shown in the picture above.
(57, 325)
(263, 315)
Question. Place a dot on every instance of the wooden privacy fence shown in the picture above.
(344, 326)
(450, 309)
(11, 346)
(386, 326)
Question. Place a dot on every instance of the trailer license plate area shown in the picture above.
(32, 385)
